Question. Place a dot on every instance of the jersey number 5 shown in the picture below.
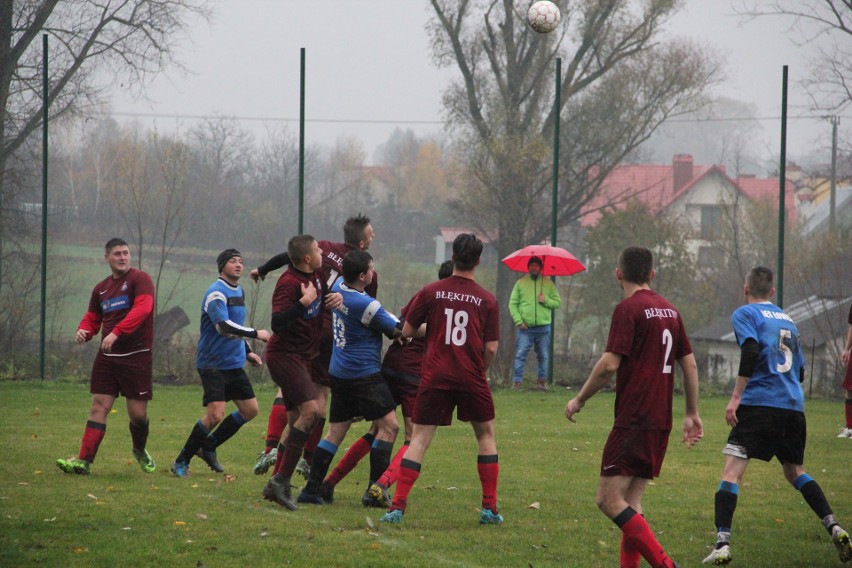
(785, 349)
(456, 332)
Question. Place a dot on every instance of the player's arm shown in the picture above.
(600, 376)
(273, 263)
(490, 353)
(143, 306)
(216, 307)
(283, 320)
(411, 332)
(749, 354)
(89, 326)
(693, 429)
(847, 348)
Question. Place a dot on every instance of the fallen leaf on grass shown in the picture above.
(452, 488)
(37, 412)
(370, 523)
(23, 483)
(535, 506)
(125, 528)
(110, 488)
(180, 523)
(90, 496)
(38, 472)
(228, 478)
(50, 520)
(779, 520)
(201, 516)
(79, 549)
(264, 533)
(113, 411)
(35, 437)
(375, 546)
(194, 485)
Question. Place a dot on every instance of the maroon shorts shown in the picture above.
(127, 375)
(847, 380)
(293, 375)
(404, 389)
(434, 407)
(634, 453)
(321, 363)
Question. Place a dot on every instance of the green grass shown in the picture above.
(120, 516)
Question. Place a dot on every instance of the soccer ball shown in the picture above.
(543, 16)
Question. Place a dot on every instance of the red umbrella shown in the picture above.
(557, 261)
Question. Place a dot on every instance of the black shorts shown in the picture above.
(221, 386)
(369, 397)
(403, 387)
(763, 432)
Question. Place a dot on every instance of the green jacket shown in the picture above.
(524, 305)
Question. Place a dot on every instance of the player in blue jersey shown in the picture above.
(357, 386)
(767, 412)
(222, 352)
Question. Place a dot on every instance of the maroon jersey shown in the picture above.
(405, 357)
(648, 333)
(332, 268)
(461, 317)
(124, 306)
(303, 335)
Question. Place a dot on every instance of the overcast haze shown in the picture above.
(369, 70)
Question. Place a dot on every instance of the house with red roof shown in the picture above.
(697, 194)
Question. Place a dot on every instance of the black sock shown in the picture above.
(193, 442)
(726, 504)
(226, 428)
(319, 468)
(139, 434)
(815, 498)
(380, 456)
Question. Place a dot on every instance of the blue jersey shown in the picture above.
(221, 344)
(358, 325)
(775, 380)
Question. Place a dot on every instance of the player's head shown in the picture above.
(445, 270)
(114, 242)
(358, 232)
(356, 263)
(303, 249)
(758, 283)
(230, 261)
(117, 255)
(466, 251)
(636, 265)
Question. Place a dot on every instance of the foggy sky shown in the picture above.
(369, 70)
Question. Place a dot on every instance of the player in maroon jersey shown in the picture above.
(462, 333)
(846, 358)
(122, 307)
(646, 337)
(401, 368)
(297, 320)
(357, 235)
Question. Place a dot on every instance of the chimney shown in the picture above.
(681, 171)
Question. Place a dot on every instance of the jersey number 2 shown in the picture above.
(668, 341)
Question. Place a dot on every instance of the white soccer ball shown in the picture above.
(543, 16)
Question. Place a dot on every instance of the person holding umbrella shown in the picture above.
(531, 304)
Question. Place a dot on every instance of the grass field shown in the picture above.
(120, 516)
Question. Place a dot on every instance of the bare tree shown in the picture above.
(825, 27)
(621, 80)
(126, 40)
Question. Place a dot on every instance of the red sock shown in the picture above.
(409, 471)
(279, 459)
(350, 459)
(639, 536)
(312, 441)
(489, 469)
(630, 557)
(276, 424)
(93, 435)
(391, 474)
(849, 412)
(293, 449)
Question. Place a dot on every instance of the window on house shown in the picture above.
(711, 222)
